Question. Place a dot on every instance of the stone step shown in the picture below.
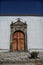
(25, 63)
(41, 55)
(16, 57)
(15, 54)
(18, 54)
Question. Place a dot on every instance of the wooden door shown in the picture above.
(18, 41)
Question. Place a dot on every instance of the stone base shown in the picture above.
(18, 58)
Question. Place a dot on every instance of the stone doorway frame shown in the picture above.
(20, 26)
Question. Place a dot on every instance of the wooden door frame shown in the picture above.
(24, 38)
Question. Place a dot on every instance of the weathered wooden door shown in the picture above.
(18, 41)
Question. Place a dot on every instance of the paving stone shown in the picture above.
(17, 57)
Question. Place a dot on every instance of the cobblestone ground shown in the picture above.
(18, 64)
(24, 64)
(19, 56)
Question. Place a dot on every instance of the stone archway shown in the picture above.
(18, 37)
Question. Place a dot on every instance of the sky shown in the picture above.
(21, 7)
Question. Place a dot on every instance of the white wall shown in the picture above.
(34, 31)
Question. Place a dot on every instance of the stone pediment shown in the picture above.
(18, 22)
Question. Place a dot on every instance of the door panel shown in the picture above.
(22, 44)
(15, 35)
(14, 45)
(18, 41)
(21, 35)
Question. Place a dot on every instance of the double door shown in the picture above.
(18, 43)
